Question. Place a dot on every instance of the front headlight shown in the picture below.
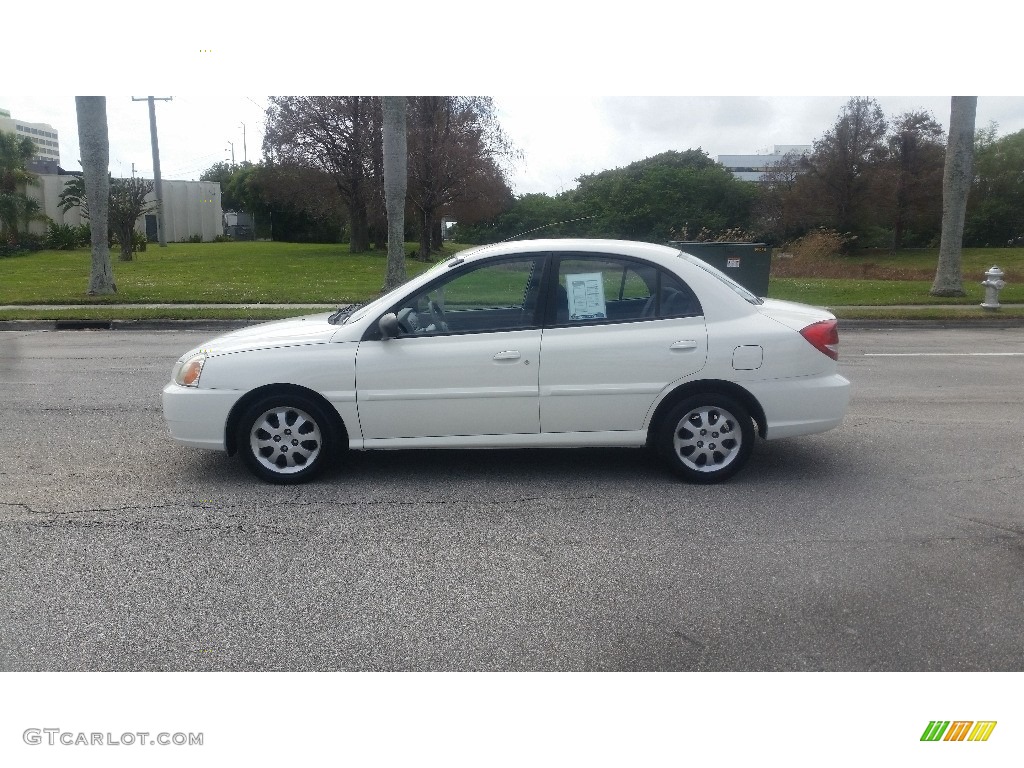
(187, 374)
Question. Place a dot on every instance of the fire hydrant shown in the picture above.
(993, 283)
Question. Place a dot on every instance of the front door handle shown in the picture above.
(511, 354)
(684, 346)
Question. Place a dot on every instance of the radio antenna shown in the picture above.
(545, 226)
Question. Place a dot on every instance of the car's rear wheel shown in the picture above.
(706, 438)
(286, 438)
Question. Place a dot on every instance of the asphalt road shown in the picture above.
(891, 543)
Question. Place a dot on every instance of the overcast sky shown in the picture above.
(560, 137)
(578, 91)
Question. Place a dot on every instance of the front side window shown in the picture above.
(610, 289)
(493, 297)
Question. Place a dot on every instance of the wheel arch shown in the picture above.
(709, 386)
(240, 407)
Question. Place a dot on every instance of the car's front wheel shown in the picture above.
(285, 438)
(706, 438)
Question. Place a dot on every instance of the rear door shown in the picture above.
(620, 330)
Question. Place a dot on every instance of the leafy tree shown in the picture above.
(956, 184)
(995, 209)
(536, 215)
(665, 197)
(301, 204)
(455, 149)
(223, 173)
(396, 176)
(334, 135)
(669, 196)
(126, 204)
(241, 189)
(844, 169)
(16, 207)
(917, 152)
(782, 209)
(94, 145)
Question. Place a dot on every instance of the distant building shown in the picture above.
(44, 136)
(754, 167)
(190, 208)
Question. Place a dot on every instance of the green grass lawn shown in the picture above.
(302, 274)
(203, 273)
(882, 279)
(833, 292)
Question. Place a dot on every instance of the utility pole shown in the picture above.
(156, 166)
(232, 154)
(245, 153)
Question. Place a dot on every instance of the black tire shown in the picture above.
(286, 438)
(706, 438)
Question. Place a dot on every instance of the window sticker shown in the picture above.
(586, 296)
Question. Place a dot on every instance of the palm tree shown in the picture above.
(396, 176)
(94, 144)
(127, 202)
(16, 207)
(956, 183)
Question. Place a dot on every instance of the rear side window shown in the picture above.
(611, 289)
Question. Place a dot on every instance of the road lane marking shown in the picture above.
(944, 354)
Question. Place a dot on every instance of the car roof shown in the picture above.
(573, 245)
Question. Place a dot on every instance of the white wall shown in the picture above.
(190, 208)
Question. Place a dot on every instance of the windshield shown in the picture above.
(349, 313)
(739, 289)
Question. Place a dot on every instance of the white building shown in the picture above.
(754, 167)
(190, 208)
(43, 135)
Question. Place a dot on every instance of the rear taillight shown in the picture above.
(824, 337)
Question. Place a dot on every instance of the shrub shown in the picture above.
(820, 244)
(30, 241)
(139, 241)
(61, 237)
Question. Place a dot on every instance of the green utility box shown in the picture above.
(746, 263)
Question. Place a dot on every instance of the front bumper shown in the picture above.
(197, 417)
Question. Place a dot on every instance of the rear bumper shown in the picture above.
(802, 406)
(197, 417)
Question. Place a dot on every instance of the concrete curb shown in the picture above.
(216, 326)
(881, 324)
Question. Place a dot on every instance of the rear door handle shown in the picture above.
(683, 346)
(511, 354)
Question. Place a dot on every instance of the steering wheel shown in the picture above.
(438, 314)
(409, 322)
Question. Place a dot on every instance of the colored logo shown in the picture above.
(958, 730)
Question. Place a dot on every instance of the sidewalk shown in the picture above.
(43, 307)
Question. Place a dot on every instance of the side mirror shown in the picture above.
(389, 327)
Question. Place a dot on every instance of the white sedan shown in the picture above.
(537, 344)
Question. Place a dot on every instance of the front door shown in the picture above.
(466, 363)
